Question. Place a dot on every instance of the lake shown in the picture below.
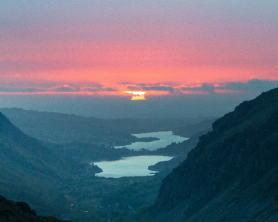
(165, 139)
(129, 166)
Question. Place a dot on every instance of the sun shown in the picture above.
(137, 95)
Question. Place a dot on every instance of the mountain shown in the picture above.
(231, 175)
(30, 171)
(22, 152)
(60, 128)
(20, 211)
(65, 128)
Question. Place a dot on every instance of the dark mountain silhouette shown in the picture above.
(231, 175)
(20, 211)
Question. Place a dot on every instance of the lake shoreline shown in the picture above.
(164, 138)
(145, 155)
(130, 166)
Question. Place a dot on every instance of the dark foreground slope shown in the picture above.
(20, 212)
(232, 174)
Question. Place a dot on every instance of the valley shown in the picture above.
(138, 111)
(72, 191)
(227, 172)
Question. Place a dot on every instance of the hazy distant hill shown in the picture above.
(232, 174)
(191, 130)
(60, 128)
(57, 127)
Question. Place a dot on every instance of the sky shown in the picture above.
(115, 52)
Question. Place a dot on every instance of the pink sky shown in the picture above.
(111, 46)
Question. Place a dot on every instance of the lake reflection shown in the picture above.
(165, 139)
(129, 166)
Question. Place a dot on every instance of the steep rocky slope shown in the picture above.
(231, 175)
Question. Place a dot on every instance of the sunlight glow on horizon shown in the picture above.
(138, 91)
(137, 95)
(161, 48)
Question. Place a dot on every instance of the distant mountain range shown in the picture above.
(232, 174)
(65, 128)
(61, 128)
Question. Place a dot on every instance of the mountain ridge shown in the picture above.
(29, 170)
(240, 152)
(65, 128)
